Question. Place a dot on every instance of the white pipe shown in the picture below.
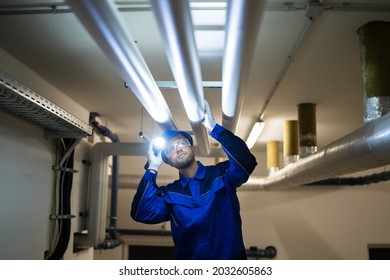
(103, 22)
(366, 148)
(97, 206)
(174, 19)
(242, 28)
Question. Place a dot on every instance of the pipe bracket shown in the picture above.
(63, 169)
(62, 217)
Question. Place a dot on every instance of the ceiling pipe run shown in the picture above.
(103, 22)
(366, 148)
(242, 28)
(175, 23)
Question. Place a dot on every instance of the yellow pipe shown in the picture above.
(290, 142)
(273, 155)
(307, 128)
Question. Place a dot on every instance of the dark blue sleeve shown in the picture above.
(241, 161)
(148, 206)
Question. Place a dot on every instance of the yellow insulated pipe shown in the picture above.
(374, 40)
(273, 156)
(290, 142)
(307, 128)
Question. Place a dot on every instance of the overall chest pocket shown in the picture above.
(181, 210)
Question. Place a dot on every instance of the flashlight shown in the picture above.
(158, 144)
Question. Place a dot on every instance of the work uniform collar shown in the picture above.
(200, 174)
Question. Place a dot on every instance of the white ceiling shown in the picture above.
(326, 69)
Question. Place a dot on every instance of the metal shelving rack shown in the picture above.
(17, 99)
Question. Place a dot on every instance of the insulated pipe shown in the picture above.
(103, 22)
(96, 224)
(174, 19)
(272, 156)
(114, 240)
(374, 40)
(242, 27)
(307, 127)
(290, 142)
(367, 147)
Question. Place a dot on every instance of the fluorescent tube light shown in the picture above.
(255, 133)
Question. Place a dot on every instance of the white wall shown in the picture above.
(318, 222)
(25, 187)
(26, 175)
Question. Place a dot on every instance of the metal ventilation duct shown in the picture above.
(19, 100)
(365, 148)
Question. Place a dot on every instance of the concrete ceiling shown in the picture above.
(326, 69)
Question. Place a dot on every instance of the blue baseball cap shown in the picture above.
(169, 134)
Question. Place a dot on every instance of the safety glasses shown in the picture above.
(177, 144)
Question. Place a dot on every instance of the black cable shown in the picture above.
(354, 181)
(64, 208)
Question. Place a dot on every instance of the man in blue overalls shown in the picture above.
(202, 205)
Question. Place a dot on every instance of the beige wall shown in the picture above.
(26, 175)
(318, 222)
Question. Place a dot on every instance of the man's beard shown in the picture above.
(186, 162)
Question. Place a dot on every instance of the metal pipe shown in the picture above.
(114, 239)
(174, 19)
(102, 20)
(96, 225)
(242, 26)
(366, 148)
(269, 252)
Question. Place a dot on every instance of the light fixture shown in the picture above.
(209, 5)
(255, 133)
